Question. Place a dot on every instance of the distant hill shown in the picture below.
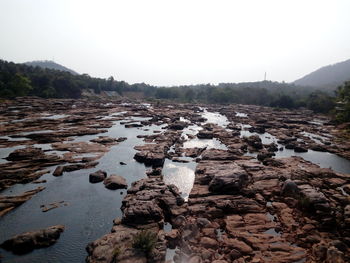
(327, 77)
(50, 65)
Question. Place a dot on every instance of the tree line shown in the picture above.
(23, 80)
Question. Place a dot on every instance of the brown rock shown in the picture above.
(28, 241)
(208, 242)
(114, 182)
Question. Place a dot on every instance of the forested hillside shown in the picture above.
(23, 80)
(50, 65)
(20, 80)
(328, 77)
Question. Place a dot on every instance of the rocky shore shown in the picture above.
(251, 199)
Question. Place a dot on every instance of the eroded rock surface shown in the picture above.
(29, 241)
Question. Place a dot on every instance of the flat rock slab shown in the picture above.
(28, 241)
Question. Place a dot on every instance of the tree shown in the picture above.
(19, 85)
(320, 102)
(343, 103)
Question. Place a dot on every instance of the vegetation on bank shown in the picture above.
(23, 80)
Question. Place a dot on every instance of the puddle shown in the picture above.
(242, 115)
(167, 227)
(216, 118)
(170, 253)
(200, 143)
(54, 117)
(180, 174)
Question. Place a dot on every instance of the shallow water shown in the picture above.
(180, 174)
(216, 118)
(91, 207)
(323, 159)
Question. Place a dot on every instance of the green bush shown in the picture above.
(145, 240)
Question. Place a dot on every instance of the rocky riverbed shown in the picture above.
(208, 183)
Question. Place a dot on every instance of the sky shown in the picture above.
(178, 42)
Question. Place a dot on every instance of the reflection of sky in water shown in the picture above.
(317, 138)
(54, 117)
(216, 118)
(200, 143)
(181, 175)
(240, 114)
(91, 207)
(266, 138)
(323, 159)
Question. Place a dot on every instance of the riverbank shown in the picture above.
(220, 182)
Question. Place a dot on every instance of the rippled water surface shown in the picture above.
(91, 207)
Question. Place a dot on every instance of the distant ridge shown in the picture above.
(50, 65)
(327, 77)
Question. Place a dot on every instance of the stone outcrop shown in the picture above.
(114, 182)
(148, 204)
(29, 241)
(97, 176)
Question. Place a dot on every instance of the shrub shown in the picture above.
(145, 240)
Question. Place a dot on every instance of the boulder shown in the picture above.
(178, 125)
(203, 134)
(58, 171)
(29, 241)
(300, 149)
(97, 176)
(25, 154)
(114, 182)
(290, 189)
(254, 141)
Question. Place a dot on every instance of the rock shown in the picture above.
(290, 189)
(25, 154)
(178, 125)
(257, 129)
(29, 241)
(8, 203)
(254, 141)
(231, 181)
(58, 171)
(216, 154)
(97, 176)
(172, 238)
(114, 182)
(204, 134)
(155, 159)
(79, 166)
(318, 148)
(105, 140)
(240, 246)
(203, 222)
(334, 255)
(290, 145)
(208, 242)
(264, 155)
(149, 201)
(195, 259)
(115, 247)
(300, 149)
(133, 125)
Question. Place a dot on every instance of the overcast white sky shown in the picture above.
(165, 42)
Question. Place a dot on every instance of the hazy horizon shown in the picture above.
(169, 43)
